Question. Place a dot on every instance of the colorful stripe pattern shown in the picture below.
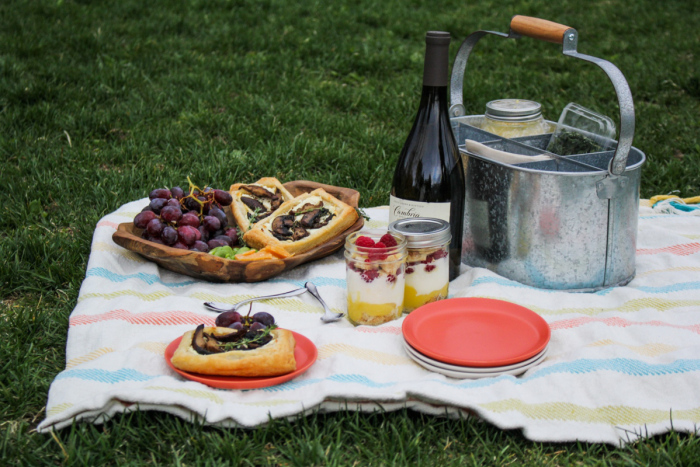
(621, 363)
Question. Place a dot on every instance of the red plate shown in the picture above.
(479, 332)
(305, 354)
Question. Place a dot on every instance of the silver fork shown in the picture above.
(329, 316)
(222, 307)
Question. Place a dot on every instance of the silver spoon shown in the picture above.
(222, 307)
(329, 315)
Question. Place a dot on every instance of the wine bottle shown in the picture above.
(429, 176)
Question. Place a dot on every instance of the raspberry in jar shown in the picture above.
(375, 262)
(427, 265)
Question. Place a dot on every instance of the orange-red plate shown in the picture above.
(305, 354)
(477, 332)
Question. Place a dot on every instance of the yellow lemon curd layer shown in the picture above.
(372, 313)
(412, 300)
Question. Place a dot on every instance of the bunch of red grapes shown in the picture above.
(194, 221)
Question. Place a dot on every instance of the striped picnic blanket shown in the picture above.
(622, 363)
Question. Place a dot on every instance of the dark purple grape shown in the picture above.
(189, 218)
(197, 234)
(222, 197)
(200, 246)
(157, 204)
(143, 218)
(171, 213)
(187, 234)
(169, 235)
(264, 318)
(177, 192)
(147, 208)
(214, 243)
(211, 223)
(145, 235)
(156, 240)
(180, 245)
(163, 193)
(155, 227)
(226, 239)
(218, 233)
(233, 235)
(237, 326)
(227, 318)
(205, 233)
(173, 202)
(256, 326)
(219, 214)
(192, 204)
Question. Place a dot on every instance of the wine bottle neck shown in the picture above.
(437, 47)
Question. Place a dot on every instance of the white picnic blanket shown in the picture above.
(622, 363)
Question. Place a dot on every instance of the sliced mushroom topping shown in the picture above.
(230, 337)
(211, 344)
(299, 233)
(282, 225)
(323, 219)
(257, 191)
(276, 201)
(253, 204)
(310, 218)
(198, 342)
(307, 207)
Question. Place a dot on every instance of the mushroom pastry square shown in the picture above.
(220, 351)
(303, 223)
(255, 201)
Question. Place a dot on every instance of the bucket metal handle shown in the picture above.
(549, 31)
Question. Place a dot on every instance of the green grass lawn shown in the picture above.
(102, 101)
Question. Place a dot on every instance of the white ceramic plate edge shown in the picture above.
(474, 370)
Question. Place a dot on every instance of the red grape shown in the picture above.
(159, 193)
(169, 235)
(211, 223)
(200, 246)
(222, 197)
(189, 218)
(171, 213)
(155, 227)
(226, 239)
(227, 318)
(215, 243)
(264, 318)
(256, 326)
(188, 234)
(177, 192)
(157, 204)
(143, 218)
(180, 246)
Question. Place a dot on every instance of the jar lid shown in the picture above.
(514, 110)
(422, 232)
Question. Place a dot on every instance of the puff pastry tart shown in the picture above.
(303, 223)
(227, 352)
(256, 201)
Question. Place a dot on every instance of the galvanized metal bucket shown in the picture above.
(568, 223)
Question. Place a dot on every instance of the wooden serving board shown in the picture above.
(215, 269)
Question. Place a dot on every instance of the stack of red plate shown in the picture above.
(475, 337)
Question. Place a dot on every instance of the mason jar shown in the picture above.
(375, 277)
(513, 118)
(427, 265)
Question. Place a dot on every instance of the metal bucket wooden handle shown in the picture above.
(549, 31)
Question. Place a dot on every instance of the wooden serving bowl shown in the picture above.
(215, 269)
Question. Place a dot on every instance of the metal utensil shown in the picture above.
(221, 307)
(329, 315)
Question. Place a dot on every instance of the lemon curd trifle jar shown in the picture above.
(427, 265)
(375, 262)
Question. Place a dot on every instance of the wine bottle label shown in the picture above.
(403, 208)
